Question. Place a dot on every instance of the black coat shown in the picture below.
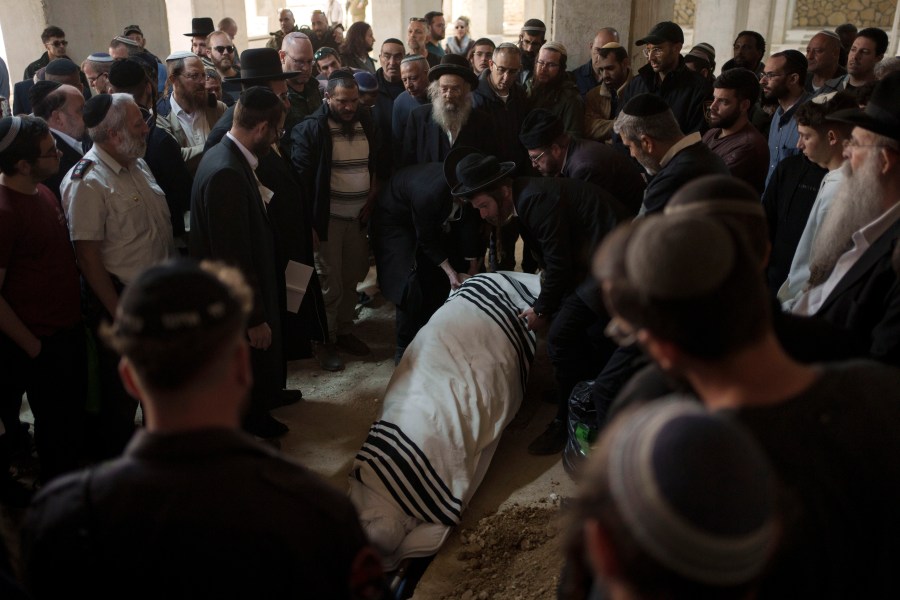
(563, 220)
(230, 223)
(606, 168)
(408, 233)
(163, 156)
(690, 163)
(311, 155)
(506, 119)
(682, 89)
(66, 161)
(424, 141)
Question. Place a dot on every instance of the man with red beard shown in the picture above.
(187, 113)
(852, 283)
(449, 121)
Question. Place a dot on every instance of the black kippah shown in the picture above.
(540, 128)
(40, 90)
(259, 98)
(645, 105)
(126, 73)
(61, 66)
(340, 74)
(95, 109)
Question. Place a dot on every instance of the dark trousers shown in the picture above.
(56, 384)
(505, 259)
(426, 290)
(577, 346)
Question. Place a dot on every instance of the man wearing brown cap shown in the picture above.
(120, 224)
(449, 121)
(649, 129)
(667, 76)
(230, 516)
(551, 88)
(602, 103)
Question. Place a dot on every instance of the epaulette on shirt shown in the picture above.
(81, 168)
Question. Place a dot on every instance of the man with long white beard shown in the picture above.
(852, 284)
(119, 224)
(449, 121)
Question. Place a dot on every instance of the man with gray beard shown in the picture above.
(852, 284)
(449, 121)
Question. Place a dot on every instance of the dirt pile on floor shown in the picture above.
(512, 555)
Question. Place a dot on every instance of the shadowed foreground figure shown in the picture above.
(198, 506)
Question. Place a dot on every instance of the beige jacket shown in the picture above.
(191, 154)
(598, 120)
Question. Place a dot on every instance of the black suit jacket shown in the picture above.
(425, 141)
(692, 162)
(866, 301)
(613, 171)
(21, 101)
(563, 220)
(230, 223)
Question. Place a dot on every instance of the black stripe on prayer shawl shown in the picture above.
(495, 302)
(408, 476)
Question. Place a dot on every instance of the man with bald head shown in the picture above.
(822, 55)
(305, 98)
(414, 75)
(286, 25)
(588, 76)
(61, 105)
(186, 113)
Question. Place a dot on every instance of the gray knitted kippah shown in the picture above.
(675, 258)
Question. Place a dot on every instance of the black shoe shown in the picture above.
(267, 427)
(352, 345)
(329, 359)
(552, 441)
(364, 299)
(286, 398)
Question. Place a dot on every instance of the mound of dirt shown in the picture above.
(514, 554)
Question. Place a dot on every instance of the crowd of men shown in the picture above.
(747, 226)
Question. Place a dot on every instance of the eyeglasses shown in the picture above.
(323, 52)
(770, 75)
(534, 159)
(59, 43)
(93, 80)
(653, 52)
(547, 65)
(193, 76)
(224, 49)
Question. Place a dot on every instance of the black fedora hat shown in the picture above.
(882, 113)
(201, 26)
(454, 64)
(259, 65)
(468, 171)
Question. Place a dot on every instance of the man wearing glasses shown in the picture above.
(783, 80)
(666, 75)
(550, 87)
(220, 50)
(96, 68)
(187, 114)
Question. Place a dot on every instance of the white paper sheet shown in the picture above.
(296, 276)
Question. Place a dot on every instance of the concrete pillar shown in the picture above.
(22, 38)
(644, 15)
(718, 23)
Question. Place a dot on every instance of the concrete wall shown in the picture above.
(22, 35)
(576, 23)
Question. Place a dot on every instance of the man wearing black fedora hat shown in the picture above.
(852, 283)
(290, 223)
(201, 27)
(449, 121)
(562, 220)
